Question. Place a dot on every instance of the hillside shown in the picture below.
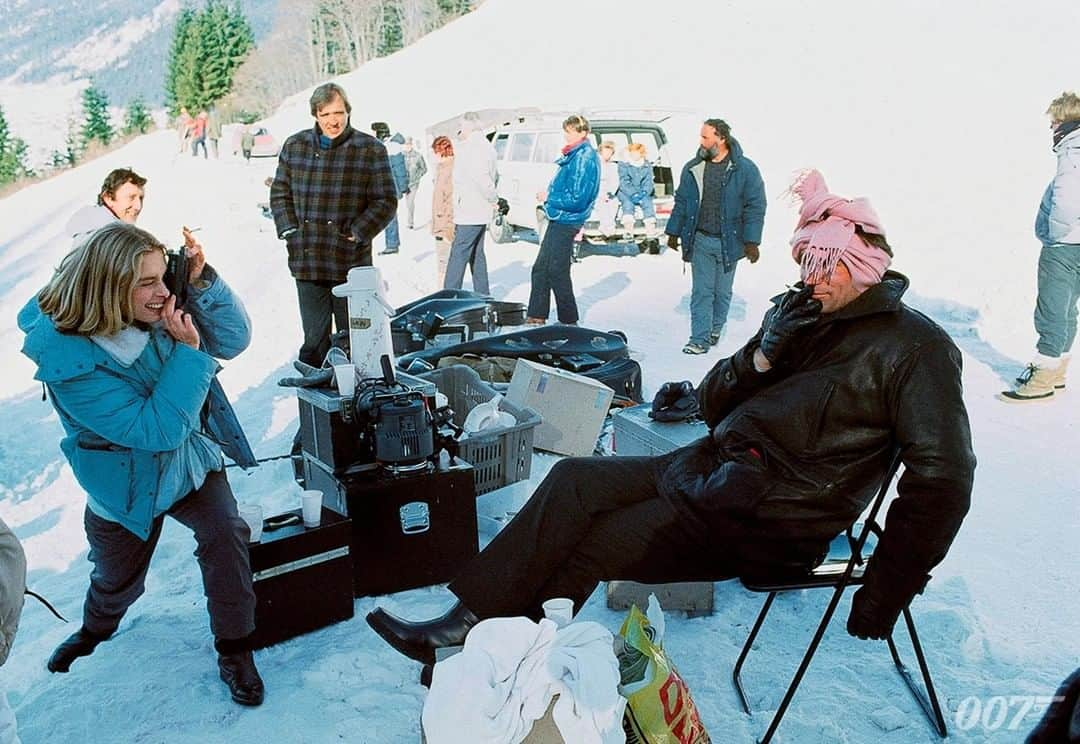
(932, 110)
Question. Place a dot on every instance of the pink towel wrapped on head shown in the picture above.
(826, 233)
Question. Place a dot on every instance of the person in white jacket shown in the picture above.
(12, 586)
(1057, 226)
(475, 176)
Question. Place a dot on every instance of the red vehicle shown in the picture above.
(266, 145)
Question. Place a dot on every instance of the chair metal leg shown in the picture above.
(803, 666)
(927, 700)
(735, 675)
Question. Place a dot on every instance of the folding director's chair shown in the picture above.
(839, 575)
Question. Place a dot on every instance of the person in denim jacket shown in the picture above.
(132, 379)
(567, 203)
(636, 189)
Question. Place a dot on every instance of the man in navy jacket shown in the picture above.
(718, 215)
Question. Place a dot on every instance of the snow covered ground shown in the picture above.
(932, 110)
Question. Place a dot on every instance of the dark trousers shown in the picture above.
(467, 250)
(551, 274)
(121, 559)
(591, 519)
(318, 307)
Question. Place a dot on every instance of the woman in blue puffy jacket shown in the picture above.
(131, 377)
(567, 204)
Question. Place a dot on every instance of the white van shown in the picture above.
(529, 141)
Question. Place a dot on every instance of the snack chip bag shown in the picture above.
(659, 708)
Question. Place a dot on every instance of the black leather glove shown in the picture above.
(872, 616)
(674, 401)
(795, 313)
(502, 206)
(673, 242)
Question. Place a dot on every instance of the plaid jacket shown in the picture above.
(326, 196)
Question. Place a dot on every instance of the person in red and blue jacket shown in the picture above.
(567, 204)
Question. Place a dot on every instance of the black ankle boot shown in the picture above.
(236, 666)
(81, 643)
(419, 640)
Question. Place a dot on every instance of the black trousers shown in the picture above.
(591, 519)
(318, 308)
(121, 560)
(551, 274)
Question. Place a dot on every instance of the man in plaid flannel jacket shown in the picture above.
(332, 194)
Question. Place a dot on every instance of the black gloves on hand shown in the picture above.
(502, 206)
(795, 313)
(674, 401)
(872, 616)
(673, 242)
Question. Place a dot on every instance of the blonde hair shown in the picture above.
(607, 145)
(90, 292)
(638, 148)
(1065, 107)
(576, 123)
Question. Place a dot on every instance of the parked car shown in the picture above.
(266, 145)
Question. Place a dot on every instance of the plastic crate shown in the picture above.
(499, 456)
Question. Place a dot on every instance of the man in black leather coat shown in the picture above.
(804, 420)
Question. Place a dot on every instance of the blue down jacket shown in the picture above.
(742, 211)
(1058, 220)
(576, 184)
(118, 422)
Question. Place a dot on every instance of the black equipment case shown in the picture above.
(450, 311)
(332, 438)
(601, 355)
(408, 530)
(302, 577)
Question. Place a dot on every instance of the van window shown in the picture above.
(521, 146)
(548, 147)
(500, 145)
(652, 146)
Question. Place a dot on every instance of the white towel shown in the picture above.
(506, 675)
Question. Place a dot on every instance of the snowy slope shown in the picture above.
(933, 111)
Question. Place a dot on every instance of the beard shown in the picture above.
(708, 153)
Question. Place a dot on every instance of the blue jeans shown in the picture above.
(1056, 304)
(393, 240)
(648, 210)
(710, 290)
(551, 274)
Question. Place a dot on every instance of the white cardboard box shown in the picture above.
(572, 406)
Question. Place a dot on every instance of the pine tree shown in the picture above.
(189, 74)
(391, 39)
(97, 126)
(137, 119)
(176, 49)
(13, 155)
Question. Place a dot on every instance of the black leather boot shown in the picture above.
(419, 640)
(237, 668)
(81, 643)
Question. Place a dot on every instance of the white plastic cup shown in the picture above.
(311, 506)
(252, 514)
(345, 376)
(560, 610)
